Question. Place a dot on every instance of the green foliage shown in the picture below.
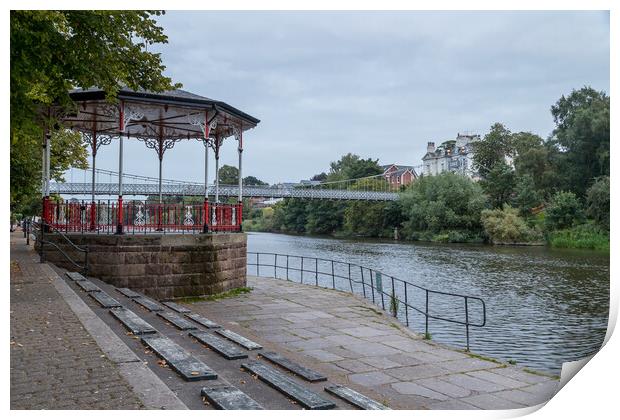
(598, 201)
(499, 184)
(492, 149)
(505, 226)
(585, 236)
(252, 180)
(526, 196)
(324, 217)
(351, 166)
(229, 175)
(393, 304)
(438, 204)
(564, 210)
(582, 132)
(54, 51)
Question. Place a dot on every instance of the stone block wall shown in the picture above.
(161, 266)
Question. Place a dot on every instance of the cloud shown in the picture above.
(379, 84)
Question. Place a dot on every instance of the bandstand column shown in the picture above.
(119, 226)
(92, 188)
(240, 150)
(205, 227)
(217, 169)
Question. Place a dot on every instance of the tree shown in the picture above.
(229, 175)
(319, 177)
(55, 51)
(351, 166)
(526, 195)
(441, 203)
(598, 202)
(252, 180)
(492, 149)
(582, 133)
(505, 226)
(499, 184)
(564, 211)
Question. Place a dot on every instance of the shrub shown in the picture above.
(598, 202)
(564, 210)
(506, 226)
(587, 236)
(435, 205)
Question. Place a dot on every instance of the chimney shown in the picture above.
(430, 147)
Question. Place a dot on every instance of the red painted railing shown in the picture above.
(143, 217)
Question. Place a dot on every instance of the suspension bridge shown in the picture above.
(372, 188)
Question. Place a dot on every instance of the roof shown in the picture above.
(177, 97)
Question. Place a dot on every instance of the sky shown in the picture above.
(377, 84)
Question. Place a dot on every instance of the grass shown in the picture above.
(224, 295)
(478, 356)
(586, 236)
(534, 372)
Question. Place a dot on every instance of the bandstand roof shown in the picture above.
(174, 114)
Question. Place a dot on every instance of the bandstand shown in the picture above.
(159, 120)
(141, 244)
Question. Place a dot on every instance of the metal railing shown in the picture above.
(42, 229)
(404, 299)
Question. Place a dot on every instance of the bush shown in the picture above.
(563, 211)
(436, 205)
(586, 236)
(506, 226)
(598, 202)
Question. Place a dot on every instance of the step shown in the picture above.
(132, 322)
(149, 304)
(299, 370)
(186, 365)
(105, 300)
(205, 322)
(176, 320)
(219, 345)
(88, 286)
(176, 307)
(239, 339)
(128, 292)
(75, 276)
(355, 398)
(227, 397)
(307, 398)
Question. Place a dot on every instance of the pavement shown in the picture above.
(69, 353)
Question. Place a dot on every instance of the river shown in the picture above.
(544, 306)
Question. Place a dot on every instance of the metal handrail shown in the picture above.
(38, 231)
(375, 286)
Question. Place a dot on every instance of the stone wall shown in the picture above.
(161, 266)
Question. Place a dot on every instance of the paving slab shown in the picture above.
(205, 322)
(88, 286)
(219, 345)
(105, 300)
(128, 292)
(413, 388)
(186, 365)
(75, 276)
(299, 370)
(304, 396)
(176, 307)
(239, 339)
(371, 379)
(176, 320)
(355, 398)
(147, 303)
(132, 322)
(228, 397)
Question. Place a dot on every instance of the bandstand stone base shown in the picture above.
(160, 265)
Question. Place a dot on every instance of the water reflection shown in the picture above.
(544, 306)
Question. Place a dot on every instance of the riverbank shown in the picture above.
(532, 317)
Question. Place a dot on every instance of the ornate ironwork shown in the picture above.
(98, 141)
(188, 220)
(139, 219)
(159, 145)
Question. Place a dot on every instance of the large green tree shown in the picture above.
(582, 134)
(54, 51)
(492, 149)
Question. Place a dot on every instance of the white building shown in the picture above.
(452, 155)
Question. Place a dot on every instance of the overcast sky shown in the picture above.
(378, 84)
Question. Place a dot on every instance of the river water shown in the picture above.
(544, 306)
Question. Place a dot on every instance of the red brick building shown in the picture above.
(399, 175)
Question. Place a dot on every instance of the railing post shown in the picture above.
(333, 277)
(316, 271)
(372, 287)
(287, 266)
(467, 322)
(258, 264)
(350, 281)
(275, 264)
(363, 284)
(302, 270)
(426, 316)
(406, 305)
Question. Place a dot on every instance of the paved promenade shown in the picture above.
(55, 363)
(67, 352)
(355, 344)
